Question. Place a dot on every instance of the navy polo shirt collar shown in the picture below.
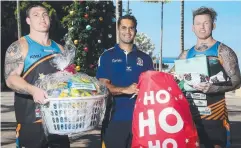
(117, 47)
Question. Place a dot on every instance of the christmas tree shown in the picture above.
(91, 26)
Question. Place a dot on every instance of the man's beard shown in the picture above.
(128, 42)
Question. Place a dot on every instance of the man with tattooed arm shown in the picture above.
(212, 119)
(26, 60)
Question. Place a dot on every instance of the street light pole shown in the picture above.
(182, 26)
(128, 8)
(117, 15)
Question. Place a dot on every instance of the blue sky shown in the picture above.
(148, 15)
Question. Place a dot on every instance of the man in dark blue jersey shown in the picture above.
(27, 59)
(119, 68)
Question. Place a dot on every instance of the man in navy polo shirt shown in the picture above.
(119, 68)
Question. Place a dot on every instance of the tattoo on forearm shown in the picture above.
(13, 58)
(202, 47)
(230, 65)
(20, 91)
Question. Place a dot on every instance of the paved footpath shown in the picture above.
(92, 139)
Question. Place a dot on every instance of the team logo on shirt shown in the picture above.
(139, 61)
(128, 68)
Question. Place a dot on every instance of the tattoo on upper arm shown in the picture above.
(230, 61)
(13, 59)
(231, 67)
(230, 64)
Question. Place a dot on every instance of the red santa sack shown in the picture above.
(162, 118)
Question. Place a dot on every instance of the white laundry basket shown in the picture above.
(65, 116)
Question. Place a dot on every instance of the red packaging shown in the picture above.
(162, 118)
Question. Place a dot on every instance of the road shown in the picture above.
(92, 139)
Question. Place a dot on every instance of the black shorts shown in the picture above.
(116, 134)
(32, 136)
(212, 133)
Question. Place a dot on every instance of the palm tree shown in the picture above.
(182, 26)
(118, 13)
(162, 3)
(160, 63)
(18, 19)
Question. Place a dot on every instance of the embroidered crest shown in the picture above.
(139, 61)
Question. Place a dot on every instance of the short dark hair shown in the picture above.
(129, 17)
(35, 5)
(205, 10)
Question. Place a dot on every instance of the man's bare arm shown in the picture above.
(14, 62)
(119, 90)
(61, 47)
(183, 55)
(230, 65)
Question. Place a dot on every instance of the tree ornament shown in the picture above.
(113, 20)
(109, 35)
(77, 68)
(71, 28)
(91, 65)
(86, 49)
(62, 41)
(93, 11)
(92, 21)
(84, 53)
(101, 18)
(104, 10)
(88, 27)
(71, 12)
(109, 26)
(78, 60)
(71, 69)
(99, 41)
(87, 7)
(76, 42)
(86, 15)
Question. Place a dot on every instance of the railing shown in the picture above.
(164, 60)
